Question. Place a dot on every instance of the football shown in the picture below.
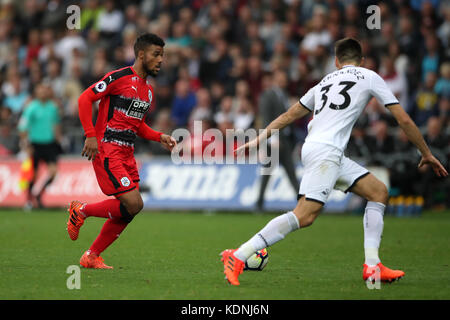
(257, 261)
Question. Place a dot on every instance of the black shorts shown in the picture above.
(47, 152)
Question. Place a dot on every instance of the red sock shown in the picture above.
(105, 209)
(109, 233)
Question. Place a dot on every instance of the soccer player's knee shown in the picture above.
(136, 207)
(380, 193)
(384, 194)
(139, 206)
(306, 220)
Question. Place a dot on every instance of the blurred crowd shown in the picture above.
(219, 59)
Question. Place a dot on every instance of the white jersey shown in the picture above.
(338, 100)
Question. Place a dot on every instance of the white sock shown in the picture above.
(373, 230)
(273, 232)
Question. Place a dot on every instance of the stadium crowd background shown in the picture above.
(219, 57)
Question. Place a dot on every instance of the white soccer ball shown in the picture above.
(257, 261)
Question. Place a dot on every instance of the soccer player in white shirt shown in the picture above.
(336, 103)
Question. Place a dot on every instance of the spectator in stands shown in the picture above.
(431, 187)
(317, 36)
(403, 169)
(444, 112)
(442, 87)
(426, 101)
(431, 59)
(395, 80)
(9, 141)
(254, 78)
(202, 110)
(16, 96)
(225, 114)
(110, 20)
(217, 93)
(384, 145)
(361, 146)
(228, 50)
(443, 31)
(180, 37)
(33, 46)
(89, 14)
(245, 115)
(47, 50)
(54, 77)
(183, 103)
(273, 102)
(67, 47)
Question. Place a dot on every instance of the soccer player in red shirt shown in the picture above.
(126, 98)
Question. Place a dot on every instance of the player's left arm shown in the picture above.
(384, 95)
(296, 111)
(413, 133)
(149, 134)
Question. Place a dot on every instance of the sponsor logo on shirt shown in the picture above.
(137, 109)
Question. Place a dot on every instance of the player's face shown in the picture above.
(153, 58)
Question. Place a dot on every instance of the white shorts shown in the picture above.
(326, 168)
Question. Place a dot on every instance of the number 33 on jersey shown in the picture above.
(338, 100)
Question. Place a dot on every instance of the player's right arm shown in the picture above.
(296, 111)
(85, 101)
(413, 133)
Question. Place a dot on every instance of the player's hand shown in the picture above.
(249, 145)
(168, 142)
(90, 149)
(438, 168)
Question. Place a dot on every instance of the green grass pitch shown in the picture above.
(176, 256)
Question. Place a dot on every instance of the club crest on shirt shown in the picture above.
(150, 96)
(125, 181)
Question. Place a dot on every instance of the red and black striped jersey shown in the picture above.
(125, 99)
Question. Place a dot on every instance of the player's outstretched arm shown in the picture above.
(148, 133)
(85, 101)
(412, 132)
(168, 142)
(296, 111)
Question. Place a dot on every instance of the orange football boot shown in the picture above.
(76, 219)
(384, 273)
(91, 260)
(233, 267)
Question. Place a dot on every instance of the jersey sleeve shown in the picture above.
(97, 91)
(381, 91)
(307, 100)
(148, 133)
(104, 87)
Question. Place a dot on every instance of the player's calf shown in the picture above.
(307, 211)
